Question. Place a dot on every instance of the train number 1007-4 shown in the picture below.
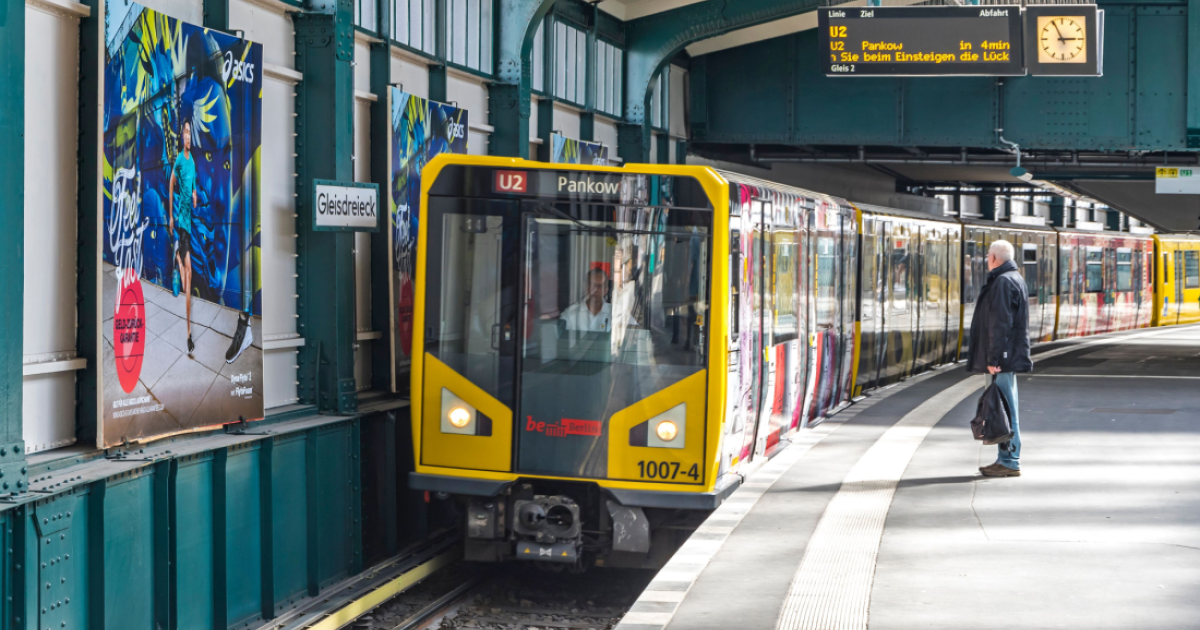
(666, 470)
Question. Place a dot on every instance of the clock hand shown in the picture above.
(1060, 37)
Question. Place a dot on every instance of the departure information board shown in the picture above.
(922, 41)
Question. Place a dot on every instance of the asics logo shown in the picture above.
(236, 68)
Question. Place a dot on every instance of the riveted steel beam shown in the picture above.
(382, 302)
(1193, 75)
(509, 98)
(651, 42)
(12, 242)
(325, 267)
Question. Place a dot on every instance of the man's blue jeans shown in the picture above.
(1009, 454)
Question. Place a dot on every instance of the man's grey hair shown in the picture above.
(1002, 250)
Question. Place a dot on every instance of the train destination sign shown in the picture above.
(922, 41)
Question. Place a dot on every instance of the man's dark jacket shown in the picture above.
(1000, 326)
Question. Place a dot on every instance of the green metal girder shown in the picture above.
(1193, 75)
(216, 14)
(382, 363)
(1141, 102)
(12, 243)
(651, 42)
(509, 100)
(325, 262)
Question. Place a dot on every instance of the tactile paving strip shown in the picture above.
(656, 606)
(832, 587)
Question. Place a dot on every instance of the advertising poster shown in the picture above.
(181, 313)
(570, 151)
(421, 129)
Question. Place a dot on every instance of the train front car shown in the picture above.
(563, 378)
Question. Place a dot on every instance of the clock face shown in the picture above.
(1061, 39)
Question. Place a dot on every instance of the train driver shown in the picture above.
(593, 313)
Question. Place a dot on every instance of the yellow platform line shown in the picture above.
(361, 606)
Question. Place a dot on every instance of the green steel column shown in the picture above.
(325, 264)
(681, 151)
(1112, 220)
(12, 242)
(1057, 216)
(383, 302)
(587, 119)
(987, 207)
(88, 290)
(216, 14)
(509, 98)
(437, 72)
(1193, 74)
(663, 147)
(545, 128)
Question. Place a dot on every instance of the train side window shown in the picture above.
(1166, 267)
(786, 254)
(1124, 269)
(1191, 270)
(1094, 279)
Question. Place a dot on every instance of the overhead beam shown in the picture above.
(652, 41)
(509, 98)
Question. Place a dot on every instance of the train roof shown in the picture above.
(739, 178)
(1007, 226)
(910, 214)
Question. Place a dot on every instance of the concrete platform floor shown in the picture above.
(1102, 530)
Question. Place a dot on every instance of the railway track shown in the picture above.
(509, 597)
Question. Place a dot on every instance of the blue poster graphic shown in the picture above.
(181, 220)
(421, 129)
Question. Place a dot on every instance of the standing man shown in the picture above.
(1000, 344)
(181, 193)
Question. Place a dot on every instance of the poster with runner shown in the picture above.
(181, 311)
(421, 129)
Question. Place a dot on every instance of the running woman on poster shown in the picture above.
(182, 192)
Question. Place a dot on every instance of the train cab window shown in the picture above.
(1124, 269)
(1094, 278)
(1191, 270)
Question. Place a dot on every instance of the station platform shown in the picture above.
(878, 518)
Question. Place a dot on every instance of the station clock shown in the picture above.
(1062, 39)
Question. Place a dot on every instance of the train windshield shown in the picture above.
(616, 311)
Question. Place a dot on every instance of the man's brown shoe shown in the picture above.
(999, 470)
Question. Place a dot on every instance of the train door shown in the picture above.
(954, 277)
(780, 325)
(1027, 261)
(881, 291)
(826, 268)
(867, 306)
(901, 319)
(849, 265)
(754, 257)
(737, 389)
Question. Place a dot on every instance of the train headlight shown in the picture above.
(459, 417)
(666, 430)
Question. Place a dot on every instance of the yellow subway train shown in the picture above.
(601, 354)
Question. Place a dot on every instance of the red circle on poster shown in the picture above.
(404, 316)
(129, 334)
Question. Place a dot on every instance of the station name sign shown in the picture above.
(995, 40)
(345, 206)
